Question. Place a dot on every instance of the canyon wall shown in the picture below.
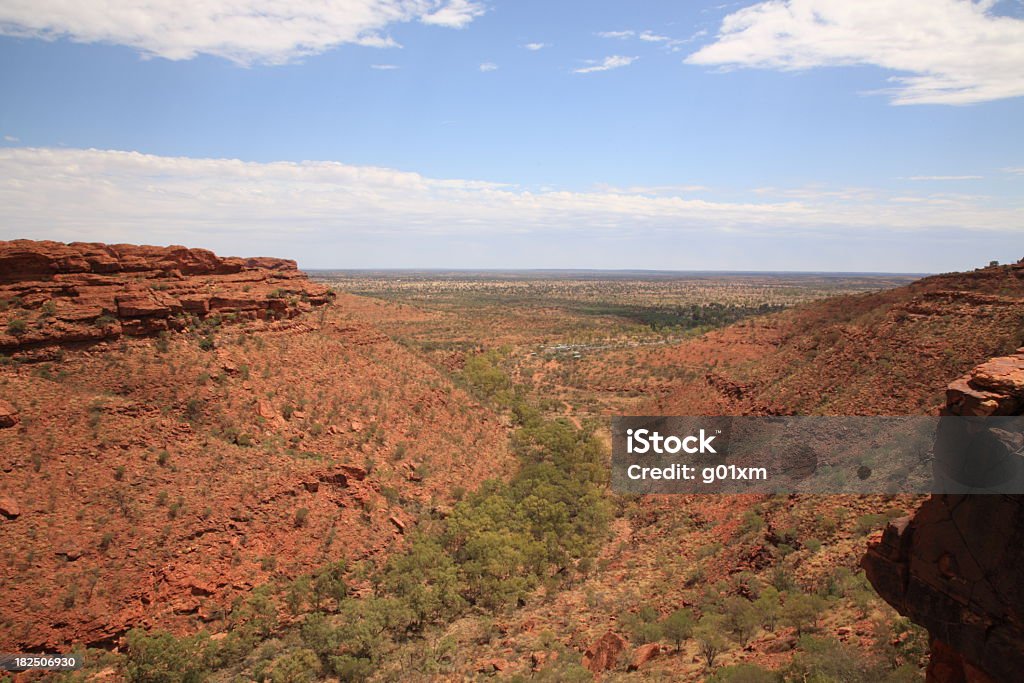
(956, 566)
(57, 294)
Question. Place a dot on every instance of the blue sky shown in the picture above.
(795, 135)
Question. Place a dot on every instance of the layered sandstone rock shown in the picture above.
(957, 566)
(53, 293)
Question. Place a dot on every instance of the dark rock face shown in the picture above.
(957, 565)
(53, 293)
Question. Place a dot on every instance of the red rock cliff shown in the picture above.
(53, 293)
(957, 565)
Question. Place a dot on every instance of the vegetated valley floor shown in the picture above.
(184, 488)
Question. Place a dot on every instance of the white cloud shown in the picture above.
(651, 37)
(114, 196)
(945, 177)
(652, 189)
(454, 13)
(947, 51)
(646, 36)
(243, 31)
(10, 138)
(488, 66)
(533, 47)
(613, 62)
(384, 67)
(1015, 171)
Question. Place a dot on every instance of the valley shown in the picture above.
(404, 477)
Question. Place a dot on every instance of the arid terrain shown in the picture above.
(218, 469)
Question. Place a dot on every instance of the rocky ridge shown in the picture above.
(59, 294)
(178, 430)
(955, 566)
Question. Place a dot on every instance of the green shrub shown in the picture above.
(298, 666)
(17, 327)
(868, 523)
(745, 673)
(159, 657)
(825, 659)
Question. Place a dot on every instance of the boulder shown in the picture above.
(8, 415)
(644, 654)
(9, 508)
(604, 653)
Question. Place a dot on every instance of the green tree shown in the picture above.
(678, 627)
(801, 611)
(329, 582)
(741, 619)
(485, 377)
(320, 636)
(426, 578)
(767, 606)
(710, 639)
(298, 594)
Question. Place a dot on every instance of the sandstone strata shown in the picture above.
(957, 566)
(60, 294)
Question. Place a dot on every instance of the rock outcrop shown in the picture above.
(604, 654)
(643, 654)
(58, 294)
(8, 415)
(956, 566)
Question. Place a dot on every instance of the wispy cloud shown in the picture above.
(647, 36)
(651, 37)
(243, 31)
(1019, 170)
(488, 66)
(115, 196)
(384, 67)
(533, 47)
(612, 62)
(652, 189)
(10, 138)
(952, 51)
(945, 177)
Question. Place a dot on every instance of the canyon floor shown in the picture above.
(220, 470)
